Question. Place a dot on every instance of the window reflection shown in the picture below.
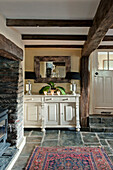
(110, 60)
(102, 61)
(105, 60)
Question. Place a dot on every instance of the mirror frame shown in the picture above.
(37, 59)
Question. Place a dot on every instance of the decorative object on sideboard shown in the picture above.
(29, 75)
(58, 93)
(52, 89)
(45, 92)
(73, 76)
(28, 88)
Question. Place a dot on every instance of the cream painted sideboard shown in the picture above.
(42, 111)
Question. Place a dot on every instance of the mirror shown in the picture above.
(52, 68)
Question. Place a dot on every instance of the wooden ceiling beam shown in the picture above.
(10, 50)
(53, 37)
(101, 23)
(108, 38)
(60, 37)
(106, 47)
(66, 46)
(48, 23)
(53, 46)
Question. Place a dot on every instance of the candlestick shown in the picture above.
(45, 92)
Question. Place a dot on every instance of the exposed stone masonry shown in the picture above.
(11, 97)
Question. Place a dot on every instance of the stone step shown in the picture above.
(102, 128)
(101, 119)
(101, 123)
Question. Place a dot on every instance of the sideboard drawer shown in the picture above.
(60, 99)
(32, 99)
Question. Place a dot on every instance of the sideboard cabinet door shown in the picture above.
(32, 114)
(52, 114)
(67, 113)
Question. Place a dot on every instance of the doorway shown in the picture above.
(102, 83)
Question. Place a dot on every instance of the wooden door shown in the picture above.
(67, 113)
(52, 114)
(102, 76)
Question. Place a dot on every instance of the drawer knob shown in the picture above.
(49, 99)
(65, 99)
(29, 99)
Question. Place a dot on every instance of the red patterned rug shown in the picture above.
(69, 158)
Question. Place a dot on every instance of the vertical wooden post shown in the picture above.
(84, 104)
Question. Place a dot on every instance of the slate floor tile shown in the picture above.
(50, 143)
(36, 133)
(28, 148)
(70, 135)
(26, 133)
(111, 158)
(97, 125)
(108, 150)
(103, 142)
(72, 142)
(51, 136)
(21, 163)
(108, 130)
(91, 139)
(110, 143)
(88, 134)
(52, 131)
(105, 135)
(33, 139)
(99, 129)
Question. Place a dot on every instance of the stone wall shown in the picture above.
(11, 97)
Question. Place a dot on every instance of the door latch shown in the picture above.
(96, 73)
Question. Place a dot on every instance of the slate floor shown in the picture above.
(63, 138)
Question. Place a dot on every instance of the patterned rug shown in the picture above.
(69, 158)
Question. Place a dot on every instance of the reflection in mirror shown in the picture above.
(52, 69)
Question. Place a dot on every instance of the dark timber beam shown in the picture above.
(48, 23)
(60, 37)
(66, 46)
(9, 50)
(53, 46)
(53, 37)
(101, 23)
(108, 38)
(106, 47)
(85, 77)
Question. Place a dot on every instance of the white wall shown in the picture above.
(10, 33)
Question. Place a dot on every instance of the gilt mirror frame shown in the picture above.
(38, 59)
